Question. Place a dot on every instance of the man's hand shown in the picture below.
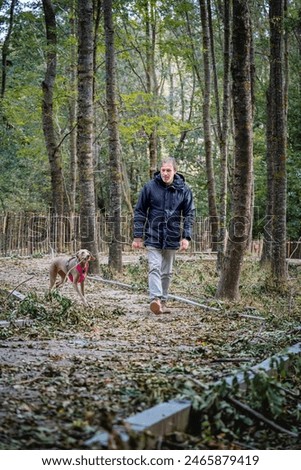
(184, 244)
(137, 243)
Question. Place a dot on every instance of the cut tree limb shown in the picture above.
(246, 409)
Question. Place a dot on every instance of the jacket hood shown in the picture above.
(178, 182)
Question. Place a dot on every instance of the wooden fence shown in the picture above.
(28, 234)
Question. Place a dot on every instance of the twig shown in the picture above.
(192, 302)
(198, 383)
(30, 381)
(259, 416)
(23, 282)
(233, 359)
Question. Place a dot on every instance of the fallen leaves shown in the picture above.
(76, 371)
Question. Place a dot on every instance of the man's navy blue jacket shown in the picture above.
(164, 214)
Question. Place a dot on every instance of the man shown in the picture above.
(163, 222)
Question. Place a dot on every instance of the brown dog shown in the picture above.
(76, 268)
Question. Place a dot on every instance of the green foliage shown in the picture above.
(138, 274)
(31, 307)
(219, 420)
(173, 109)
(54, 309)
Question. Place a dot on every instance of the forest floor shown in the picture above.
(73, 371)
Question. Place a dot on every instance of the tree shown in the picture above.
(5, 48)
(73, 111)
(277, 141)
(53, 148)
(85, 130)
(239, 226)
(115, 247)
(222, 134)
(151, 79)
(207, 124)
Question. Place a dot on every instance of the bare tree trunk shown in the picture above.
(278, 147)
(253, 80)
(5, 47)
(115, 248)
(71, 196)
(73, 113)
(53, 150)
(85, 130)
(266, 255)
(207, 126)
(97, 13)
(151, 81)
(228, 286)
(223, 138)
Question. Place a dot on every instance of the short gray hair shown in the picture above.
(168, 160)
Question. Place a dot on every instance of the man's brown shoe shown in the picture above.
(165, 309)
(155, 307)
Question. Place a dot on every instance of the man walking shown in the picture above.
(163, 220)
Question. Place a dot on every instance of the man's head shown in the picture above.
(168, 170)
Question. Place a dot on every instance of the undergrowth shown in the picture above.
(264, 414)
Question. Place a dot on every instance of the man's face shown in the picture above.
(167, 173)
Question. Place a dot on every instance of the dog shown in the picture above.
(74, 268)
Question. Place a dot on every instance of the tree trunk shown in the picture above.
(223, 138)
(115, 248)
(73, 113)
(5, 47)
(266, 255)
(207, 126)
(85, 130)
(228, 286)
(278, 146)
(151, 81)
(53, 150)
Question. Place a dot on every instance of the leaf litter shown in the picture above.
(76, 371)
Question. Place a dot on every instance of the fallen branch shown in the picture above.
(199, 384)
(23, 282)
(108, 281)
(233, 359)
(245, 408)
(175, 297)
(192, 302)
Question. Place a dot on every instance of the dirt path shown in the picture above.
(121, 360)
(70, 375)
